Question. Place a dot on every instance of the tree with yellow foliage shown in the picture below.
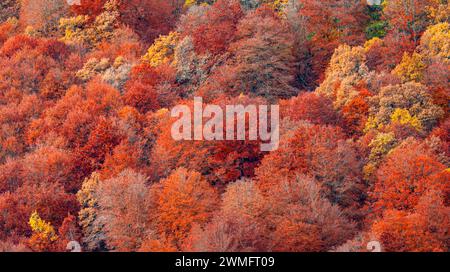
(346, 70)
(277, 5)
(435, 42)
(411, 68)
(190, 3)
(44, 235)
(403, 117)
(162, 50)
(410, 96)
(379, 148)
(80, 30)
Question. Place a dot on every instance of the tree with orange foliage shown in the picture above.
(8, 28)
(303, 220)
(183, 199)
(43, 15)
(80, 122)
(157, 243)
(323, 153)
(424, 230)
(356, 112)
(21, 55)
(405, 175)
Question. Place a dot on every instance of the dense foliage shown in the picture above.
(86, 152)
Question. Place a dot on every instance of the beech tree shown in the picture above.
(303, 219)
(263, 57)
(220, 162)
(88, 216)
(124, 209)
(405, 175)
(183, 199)
(239, 225)
(411, 96)
(49, 200)
(421, 231)
(344, 74)
(411, 16)
(212, 28)
(330, 23)
(310, 107)
(87, 152)
(323, 153)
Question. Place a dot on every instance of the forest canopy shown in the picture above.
(86, 152)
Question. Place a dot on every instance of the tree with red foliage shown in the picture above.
(443, 133)
(21, 56)
(135, 146)
(8, 29)
(364, 147)
(384, 54)
(330, 23)
(80, 122)
(406, 174)
(149, 18)
(141, 90)
(261, 62)
(49, 200)
(102, 140)
(323, 153)
(43, 15)
(16, 113)
(356, 112)
(68, 232)
(411, 17)
(310, 107)
(213, 27)
(220, 162)
(89, 7)
(160, 87)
